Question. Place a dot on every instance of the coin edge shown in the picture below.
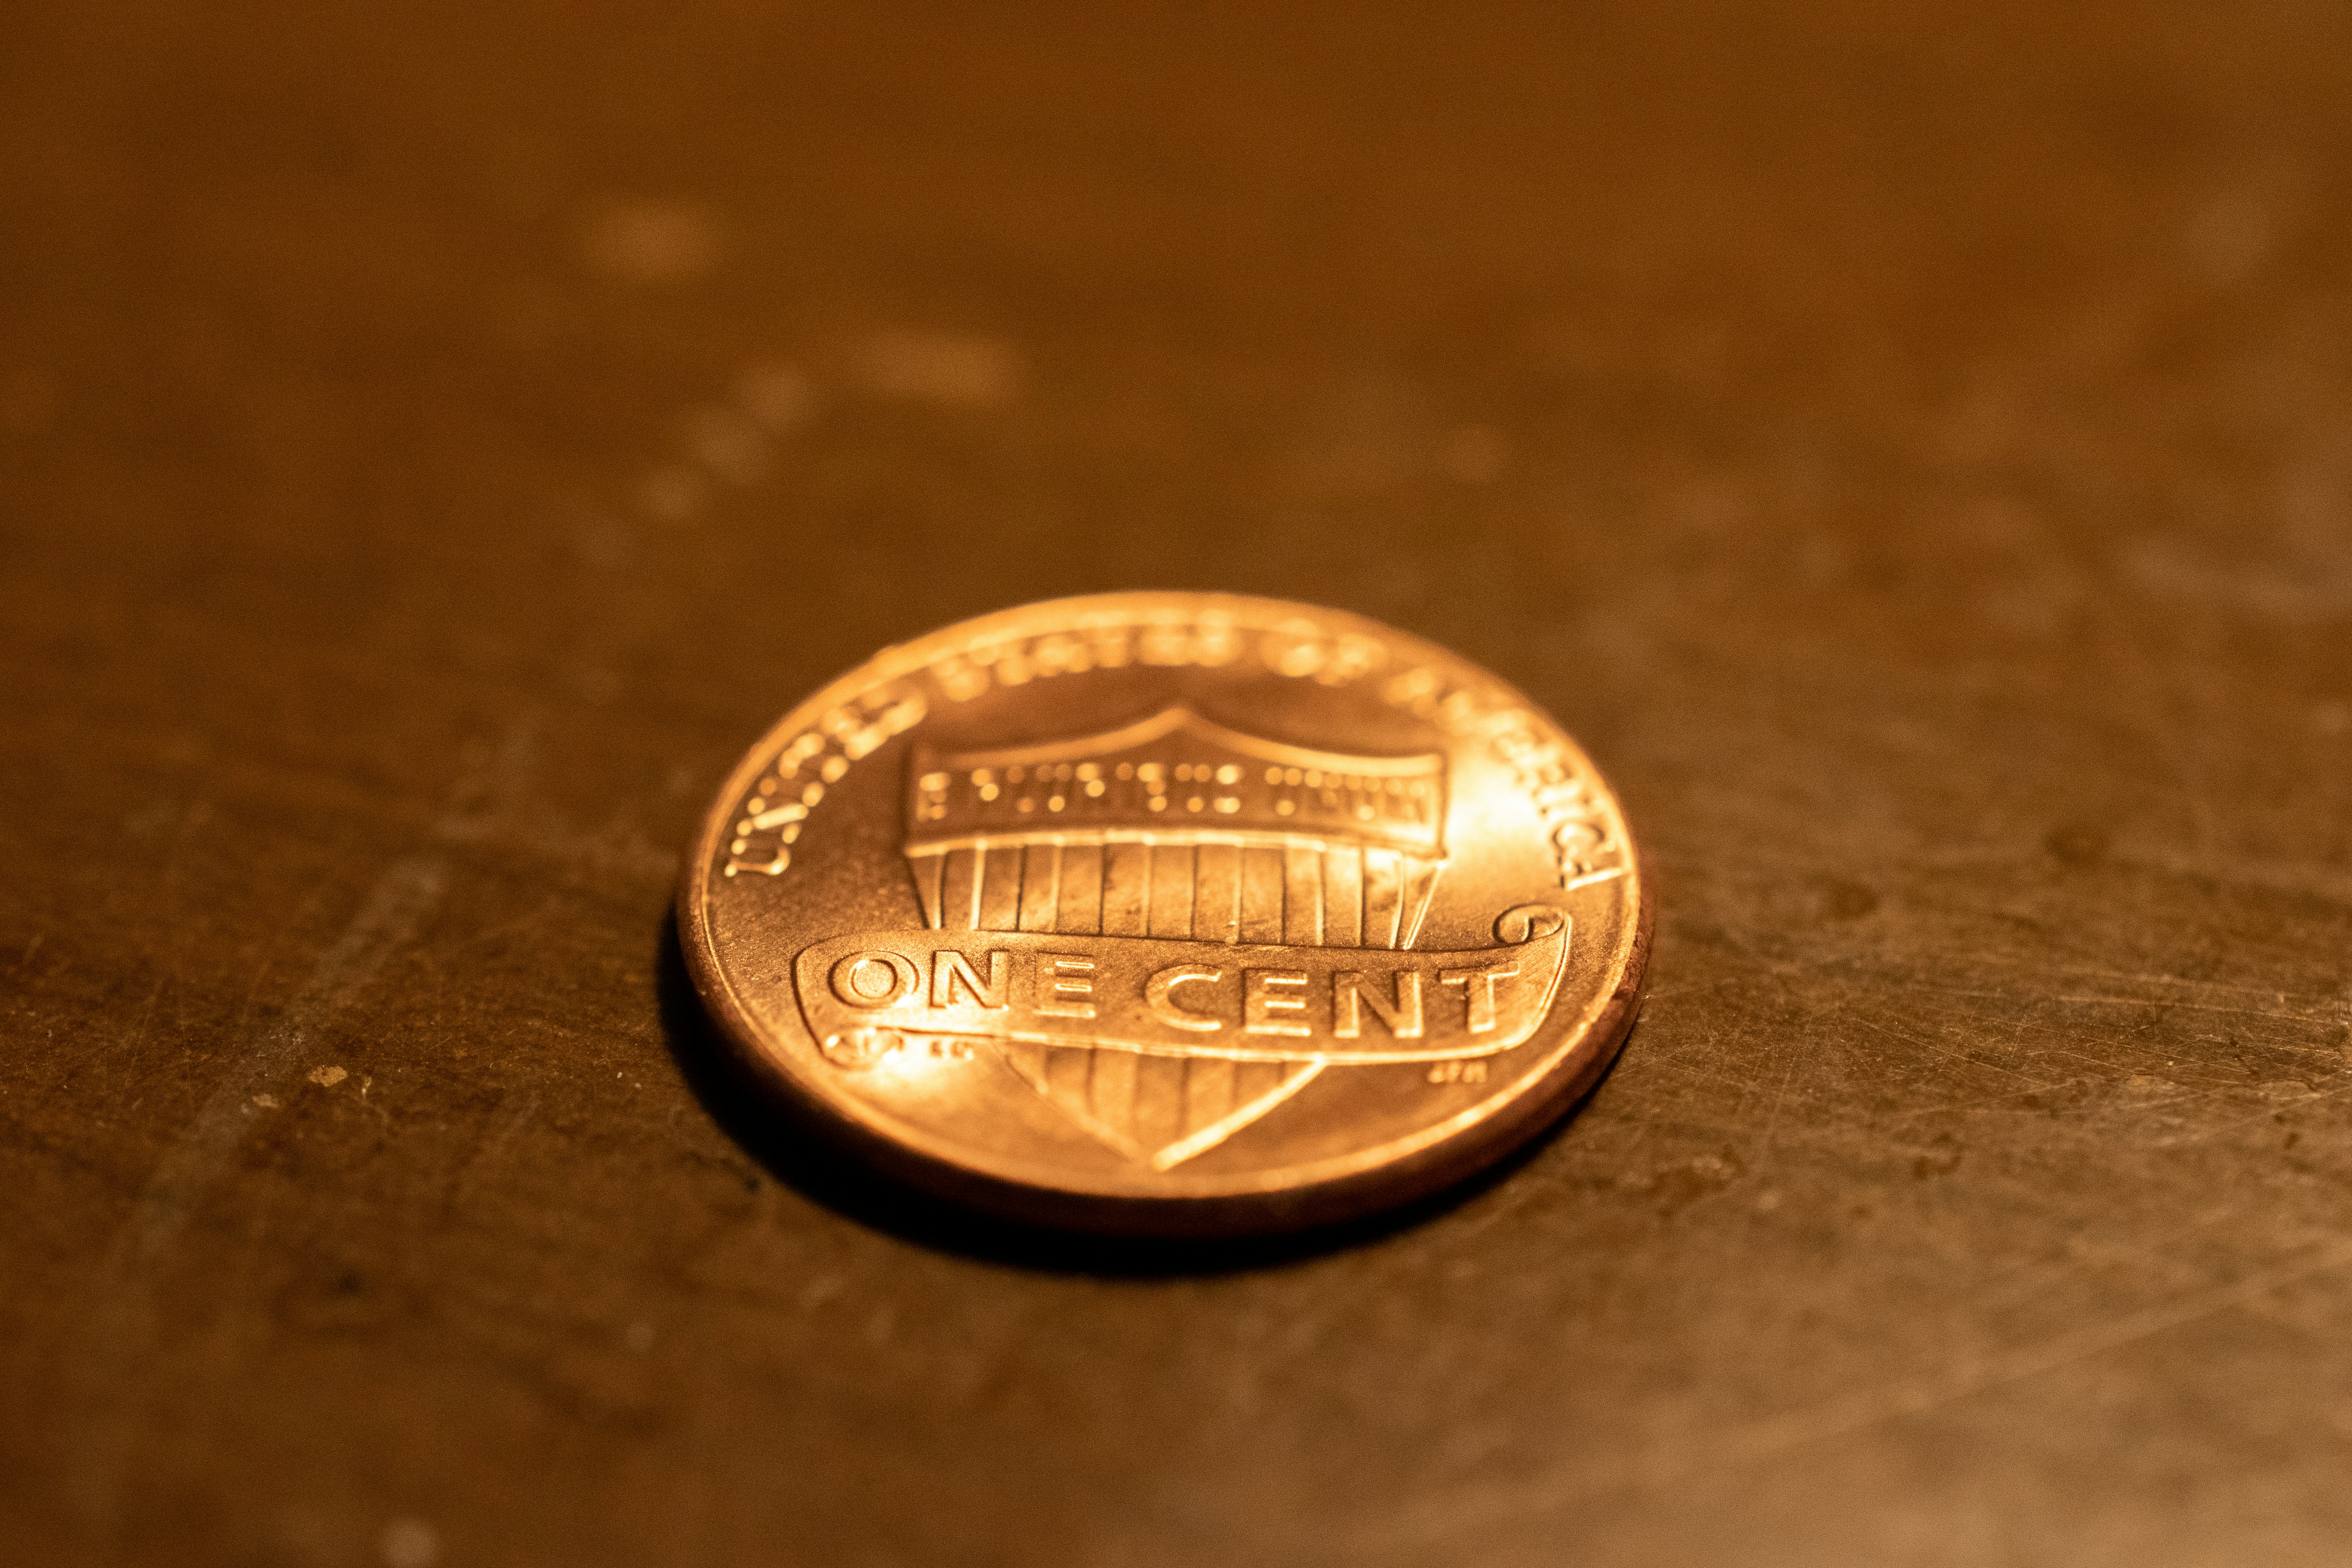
(1432, 1158)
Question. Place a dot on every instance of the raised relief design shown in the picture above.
(1169, 930)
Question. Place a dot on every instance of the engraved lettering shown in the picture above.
(1294, 648)
(855, 1048)
(1415, 689)
(1214, 640)
(1403, 1017)
(1260, 1002)
(1573, 837)
(1585, 845)
(858, 728)
(951, 972)
(1352, 655)
(1159, 994)
(1062, 978)
(774, 867)
(960, 681)
(1069, 888)
(1300, 648)
(1210, 639)
(1165, 645)
(1478, 985)
(1112, 650)
(875, 978)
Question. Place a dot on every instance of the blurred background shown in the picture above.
(1910, 445)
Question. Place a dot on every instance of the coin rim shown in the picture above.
(1345, 1187)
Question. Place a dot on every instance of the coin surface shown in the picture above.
(1168, 914)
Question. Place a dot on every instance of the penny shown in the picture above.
(1168, 914)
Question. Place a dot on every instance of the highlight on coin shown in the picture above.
(1168, 913)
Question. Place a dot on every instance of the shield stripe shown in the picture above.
(927, 870)
(1217, 892)
(1041, 887)
(1083, 877)
(1302, 896)
(1170, 908)
(1309, 880)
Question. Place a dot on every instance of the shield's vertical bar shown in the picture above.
(1217, 893)
(1383, 896)
(926, 865)
(999, 888)
(1302, 895)
(1208, 1092)
(1170, 894)
(1343, 896)
(1126, 889)
(1158, 1099)
(1263, 876)
(959, 889)
(1041, 886)
(1420, 883)
(1111, 1094)
(1080, 905)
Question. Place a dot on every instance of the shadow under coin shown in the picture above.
(787, 1143)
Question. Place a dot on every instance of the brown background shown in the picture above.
(1912, 447)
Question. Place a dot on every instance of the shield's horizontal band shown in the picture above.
(1170, 773)
(1188, 834)
(1160, 996)
(1182, 722)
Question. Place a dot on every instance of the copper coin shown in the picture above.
(1168, 914)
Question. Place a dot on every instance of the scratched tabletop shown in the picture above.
(1911, 447)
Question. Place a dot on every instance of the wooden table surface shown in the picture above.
(1911, 446)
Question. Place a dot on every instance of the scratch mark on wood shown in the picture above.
(1461, 1512)
(123, 1325)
